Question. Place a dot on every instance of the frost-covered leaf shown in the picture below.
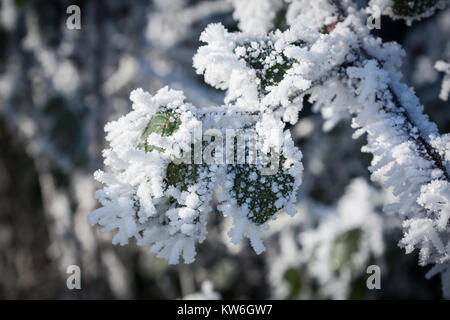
(270, 65)
(262, 195)
(162, 123)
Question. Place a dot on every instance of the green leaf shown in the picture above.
(269, 75)
(258, 194)
(163, 123)
(181, 175)
(178, 175)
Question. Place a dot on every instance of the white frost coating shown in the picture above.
(436, 198)
(257, 184)
(243, 228)
(444, 67)
(222, 67)
(398, 163)
(244, 64)
(410, 157)
(256, 15)
(147, 198)
(135, 199)
(421, 8)
(339, 64)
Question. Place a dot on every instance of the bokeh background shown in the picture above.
(58, 88)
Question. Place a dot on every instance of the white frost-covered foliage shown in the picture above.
(343, 70)
(408, 10)
(136, 200)
(152, 195)
(269, 72)
(342, 66)
(409, 156)
(444, 67)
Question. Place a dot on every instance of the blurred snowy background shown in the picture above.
(58, 87)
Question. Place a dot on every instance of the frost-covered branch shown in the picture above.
(335, 63)
(410, 156)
